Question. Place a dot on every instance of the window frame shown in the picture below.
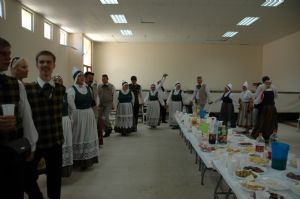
(65, 33)
(85, 51)
(2, 9)
(51, 29)
(31, 19)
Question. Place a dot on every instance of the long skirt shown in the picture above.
(266, 123)
(245, 116)
(227, 114)
(124, 122)
(85, 138)
(67, 147)
(153, 113)
(173, 107)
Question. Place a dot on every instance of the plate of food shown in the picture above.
(256, 169)
(275, 183)
(292, 176)
(243, 174)
(251, 186)
(296, 188)
(258, 160)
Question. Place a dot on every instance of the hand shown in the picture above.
(8, 122)
(165, 75)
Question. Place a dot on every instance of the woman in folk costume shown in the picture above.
(85, 138)
(227, 108)
(153, 101)
(267, 119)
(123, 101)
(67, 147)
(175, 103)
(246, 107)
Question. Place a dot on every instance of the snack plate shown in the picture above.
(284, 174)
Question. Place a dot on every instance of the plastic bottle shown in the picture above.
(273, 138)
(260, 146)
(212, 134)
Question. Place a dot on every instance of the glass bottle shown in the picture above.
(260, 146)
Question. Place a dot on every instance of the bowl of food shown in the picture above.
(256, 169)
(243, 174)
(292, 176)
(258, 160)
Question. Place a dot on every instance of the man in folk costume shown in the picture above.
(227, 108)
(85, 138)
(267, 118)
(138, 99)
(246, 107)
(123, 101)
(89, 81)
(175, 103)
(201, 94)
(46, 101)
(153, 101)
(67, 147)
(12, 128)
(106, 93)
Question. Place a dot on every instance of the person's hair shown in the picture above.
(4, 43)
(199, 77)
(86, 74)
(45, 52)
(133, 78)
(105, 75)
(265, 78)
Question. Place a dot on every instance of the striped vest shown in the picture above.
(10, 94)
(47, 114)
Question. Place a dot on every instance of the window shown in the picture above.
(47, 30)
(87, 54)
(1, 8)
(27, 19)
(87, 69)
(63, 37)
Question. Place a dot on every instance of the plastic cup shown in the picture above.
(279, 155)
(8, 109)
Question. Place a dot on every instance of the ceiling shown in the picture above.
(202, 21)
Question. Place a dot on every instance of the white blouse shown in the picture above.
(246, 96)
(116, 97)
(153, 93)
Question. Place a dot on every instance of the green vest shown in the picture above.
(65, 105)
(125, 98)
(176, 98)
(153, 97)
(47, 114)
(10, 94)
(83, 101)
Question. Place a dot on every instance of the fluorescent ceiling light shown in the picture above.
(247, 21)
(126, 32)
(109, 1)
(118, 18)
(230, 34)
(272, 3)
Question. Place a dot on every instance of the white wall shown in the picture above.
(27, 44)
(281, 61)
(217, 64)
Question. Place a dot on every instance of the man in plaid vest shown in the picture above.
(46, 100)
(13, 127)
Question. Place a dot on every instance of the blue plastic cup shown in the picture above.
(202, 114)
(279, 155)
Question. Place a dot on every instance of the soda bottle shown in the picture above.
(273, 138)
(260, 145)
(212, 134)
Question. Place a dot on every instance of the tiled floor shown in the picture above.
(150, 164)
